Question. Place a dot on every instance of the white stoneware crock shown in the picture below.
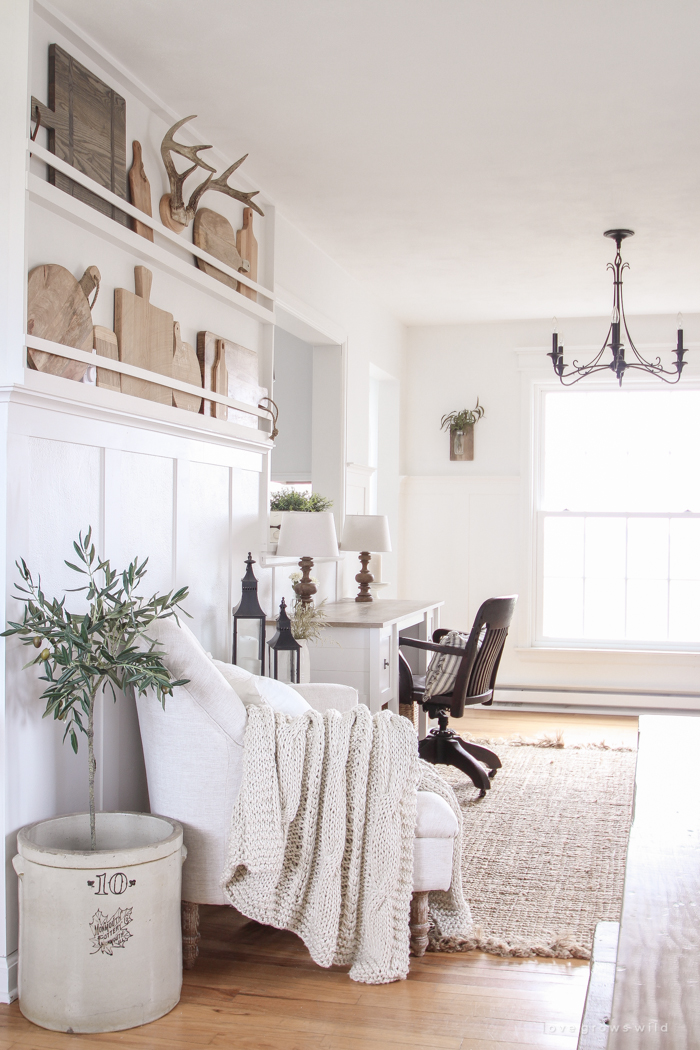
(100, 943)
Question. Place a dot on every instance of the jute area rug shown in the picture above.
(544, 851)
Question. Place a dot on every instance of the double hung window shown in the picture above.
(618, 519)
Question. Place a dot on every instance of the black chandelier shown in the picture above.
(618, 364)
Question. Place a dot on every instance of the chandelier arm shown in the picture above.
(658, 371)
(655, 367)
(580, 373)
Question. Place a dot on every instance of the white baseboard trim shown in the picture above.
(8, 978)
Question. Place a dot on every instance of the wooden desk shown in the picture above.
(360, 647)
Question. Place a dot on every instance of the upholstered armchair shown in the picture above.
(193, 752)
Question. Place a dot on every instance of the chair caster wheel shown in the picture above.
(492, 773)
(482, 793)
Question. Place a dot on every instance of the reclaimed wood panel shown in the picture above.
(86, 121)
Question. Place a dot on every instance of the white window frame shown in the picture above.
(533, 467)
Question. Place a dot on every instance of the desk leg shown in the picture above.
(394, 669)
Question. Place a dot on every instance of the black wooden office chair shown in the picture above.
(474, 684)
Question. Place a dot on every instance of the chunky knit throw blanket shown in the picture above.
(322, 833)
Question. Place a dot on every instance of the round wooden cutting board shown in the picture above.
(186, 369)
(214, 234)
(57, 309)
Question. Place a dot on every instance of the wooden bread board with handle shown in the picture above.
(145, 337)
(186, 369)
(231, 369)
(140, 190)
(58, 309)
(105, 344)
(248, 249)
(214, 234)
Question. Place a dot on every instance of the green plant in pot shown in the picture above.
(83, 655)
(460, 423)
(116, 895)
(292, 499)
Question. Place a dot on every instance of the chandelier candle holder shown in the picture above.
(365, 533)
(613, 340)
(313, 533)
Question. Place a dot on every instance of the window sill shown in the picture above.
(561, 654)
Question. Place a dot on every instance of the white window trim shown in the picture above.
(537, 379)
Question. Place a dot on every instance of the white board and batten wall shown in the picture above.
(154, 483)
(157, 483)
(468, 527)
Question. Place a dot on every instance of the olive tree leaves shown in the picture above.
(81, 655)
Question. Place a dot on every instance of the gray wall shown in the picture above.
(293, 386)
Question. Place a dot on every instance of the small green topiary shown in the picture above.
(290, 499)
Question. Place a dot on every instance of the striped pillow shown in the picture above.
(442, 671)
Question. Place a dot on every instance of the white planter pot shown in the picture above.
(100, 943)
(275, 522)
(304, 662)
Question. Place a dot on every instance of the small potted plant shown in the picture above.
(461, 427)
(100, 935)
(292, 499)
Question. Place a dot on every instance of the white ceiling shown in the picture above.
(461, 157)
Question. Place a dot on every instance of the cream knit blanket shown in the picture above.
(322, 833)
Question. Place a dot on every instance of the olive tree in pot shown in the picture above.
(100, 940)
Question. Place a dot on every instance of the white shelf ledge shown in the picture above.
(55, 200)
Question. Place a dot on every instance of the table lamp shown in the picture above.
(307, 535)
(365, 533)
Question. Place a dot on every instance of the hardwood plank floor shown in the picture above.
(255, 988)
(657, 988)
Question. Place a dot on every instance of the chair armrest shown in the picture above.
(433, 647)
(328, 696)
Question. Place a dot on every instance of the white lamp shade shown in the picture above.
(366, 532)
(308, 534)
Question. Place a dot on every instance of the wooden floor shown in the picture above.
(255, 988)
(657, 987)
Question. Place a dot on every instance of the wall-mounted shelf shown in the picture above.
(48, 196)
(87, 393)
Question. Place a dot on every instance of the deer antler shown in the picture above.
(239, 195)
(183, 213)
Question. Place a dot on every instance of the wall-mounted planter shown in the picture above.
(100, 943)
(461, 426)
(462, 443)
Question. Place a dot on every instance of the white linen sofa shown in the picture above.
(193, 751)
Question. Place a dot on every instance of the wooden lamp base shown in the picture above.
(364, 579)
(305, 589)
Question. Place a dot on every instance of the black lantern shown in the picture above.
(249, 609)
(283, 641)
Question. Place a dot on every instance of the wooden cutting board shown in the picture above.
(58, 309)
(231, 369)
(248, 249)
(145, 337)
(214, 234)
(186, 369)
(105, 344)
(86, 121)
(140, 190)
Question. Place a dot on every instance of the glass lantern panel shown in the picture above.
(248, 644)
(286, 666)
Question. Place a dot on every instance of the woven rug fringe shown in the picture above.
(547, 740)
(562, 947)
